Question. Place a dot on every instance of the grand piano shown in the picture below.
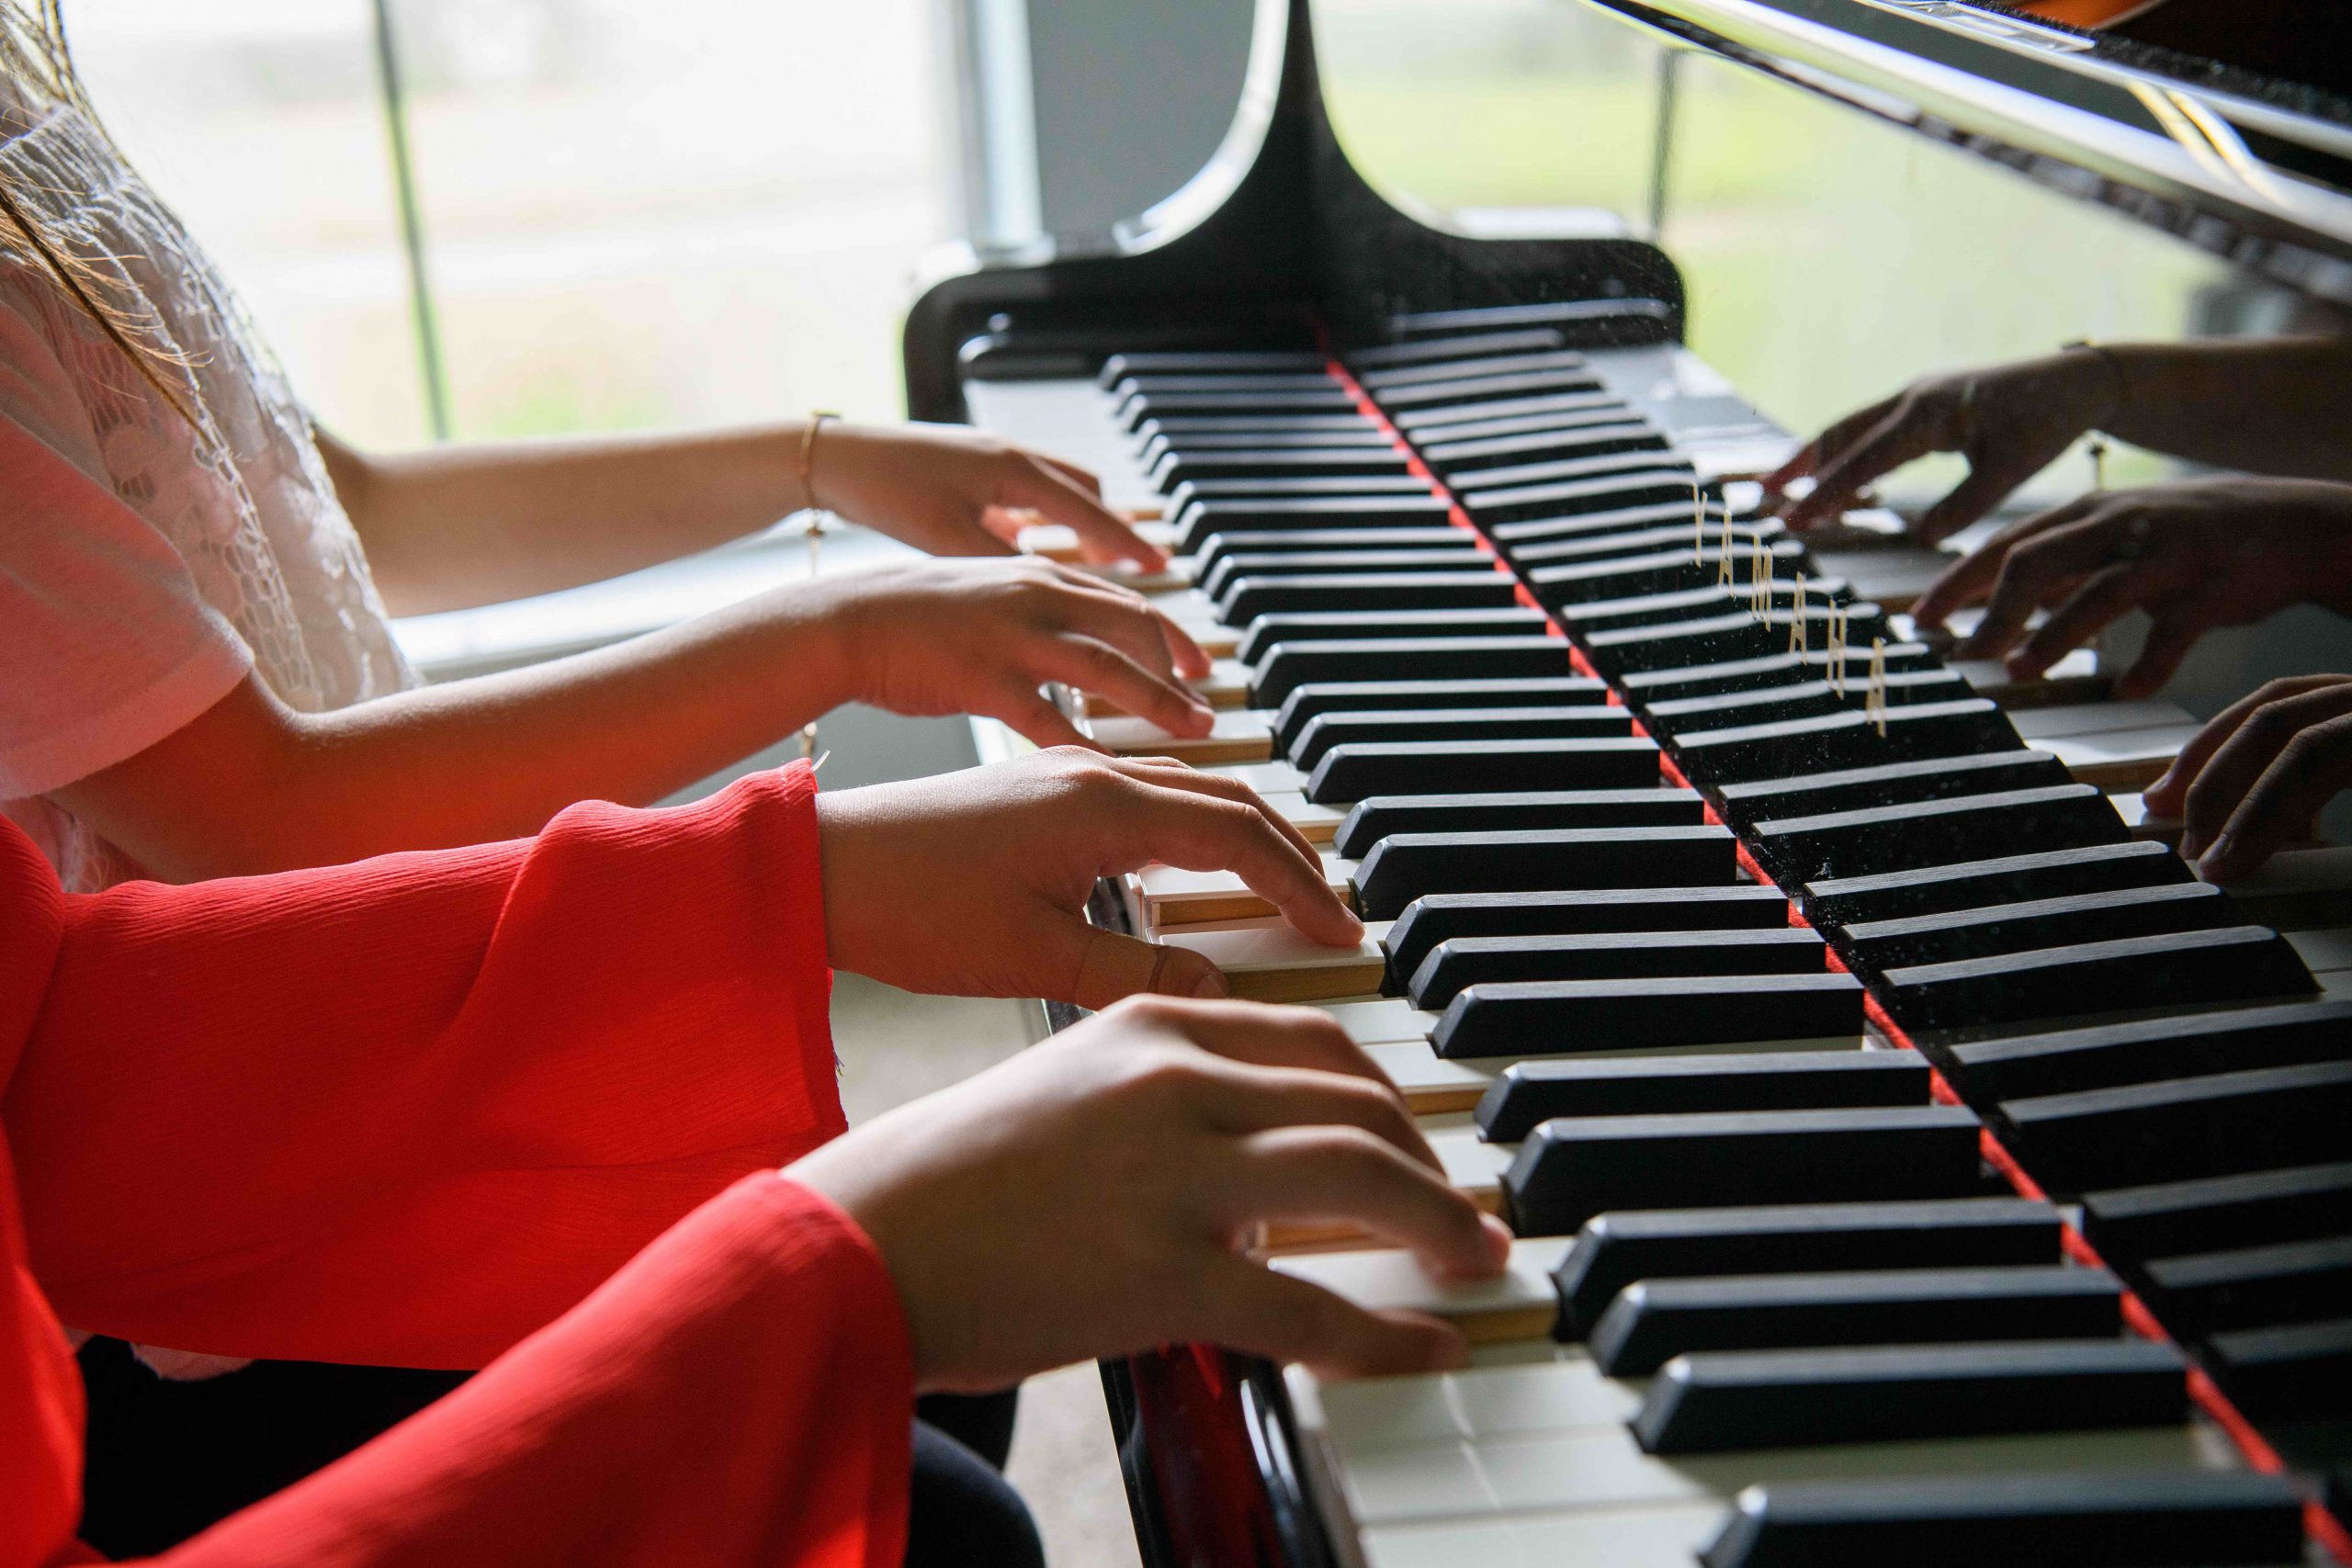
(1912, 1161)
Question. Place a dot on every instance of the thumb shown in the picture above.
(1101, 966)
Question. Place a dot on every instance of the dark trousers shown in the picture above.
(165, 1460)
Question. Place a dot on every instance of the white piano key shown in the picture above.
(2120, 760)
(1058, 541)
(1427, 1080)
(2324, 870)
(2324, 951)
(1319, 824)
(1387, 1279)
(1169, 897)
(2075, 719)
(1267, 778)
(1234, 737)
(2075, 674)
(1471, 1164)
(1269, 961)
(1389, 1021)
(1668, 1537)
(1227, 685)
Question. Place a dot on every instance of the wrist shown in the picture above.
(2101, 379)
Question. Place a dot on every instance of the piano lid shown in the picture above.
(2251, 168)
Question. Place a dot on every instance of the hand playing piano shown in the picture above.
(956, 491)
(2010, 421)
(2195, 554)
(930, 637)
(2259, 774)
(1091, 1196)
(975, 883)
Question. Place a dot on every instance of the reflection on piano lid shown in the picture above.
(1787, 1267)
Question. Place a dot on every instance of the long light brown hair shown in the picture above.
(39, 66)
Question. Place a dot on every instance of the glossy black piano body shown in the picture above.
(1280, 244)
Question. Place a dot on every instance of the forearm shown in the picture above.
(449, 528)
(252, 787)
(2266, 405)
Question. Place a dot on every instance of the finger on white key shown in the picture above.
(1268, 961)
(1240, 737)
(1267, 779)
(1169, 898)
(1227, 685)
(1522, 1303)
(2119, 760)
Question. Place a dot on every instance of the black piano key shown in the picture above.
(1462, 391)
(1727, 1401)
(1674, 533)
(1600, 417)
(1442, 917)
(1207, 362)
(1231, 383)
(2179, 1129)
(1291, 661)
(1308, 702)
(1526, 1094)
(1134, 411)
(1248, 598)
(1521, 339)
(2062, 1061)
(1570, 1168)
(1331, 543)
(1431, 423)
(1614, 1249)
(1603, 521)
(1155, 438)
(2043, 922)
(1776, 669)
(1568, 498)
(1847, 740)
(1459, 962)
(1277, 463)
(1892, 784)
(1435, 635)
(1801, 699)
(1935, 832)
(1702, 600)
(1652, 1320)
(2251, 1287)
(2292, 1372)
(2007, 879)
(1563, 1018)
(1196, 525)
(1521, 477)
(2197, 968)
(2163, 1219)
(1384, 378)
(1355, 726)
(2167, 1519)
(1610, 578)
(1369, 488)
(1462, 461)
(1734, 635)
(1460, 555)
(1479, 767)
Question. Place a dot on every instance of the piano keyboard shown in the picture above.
(1573, 739)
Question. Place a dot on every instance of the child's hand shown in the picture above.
(975, 883)
(1090, 1197)
(956, 491)
(981, 636)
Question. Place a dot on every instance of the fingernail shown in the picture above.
(1212, 986)
(1498, 1237)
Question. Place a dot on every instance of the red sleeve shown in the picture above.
(739, 1396)
(408, 1110)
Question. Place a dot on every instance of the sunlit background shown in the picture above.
(634, 214)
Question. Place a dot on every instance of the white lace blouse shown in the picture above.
(148, 559)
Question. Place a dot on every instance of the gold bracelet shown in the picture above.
(808, 456)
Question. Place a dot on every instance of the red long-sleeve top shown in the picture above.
(516, 1107)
